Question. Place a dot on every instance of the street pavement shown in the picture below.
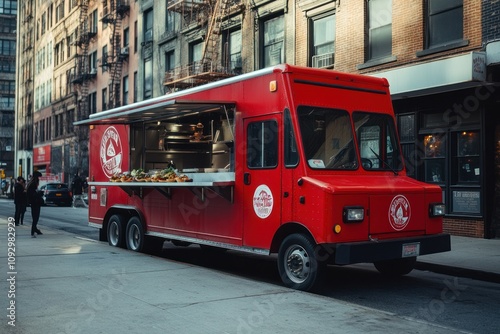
(62, 283)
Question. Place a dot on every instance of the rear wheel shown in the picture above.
(115, 231)
(298, 265)
(134, 235)
(397, 267)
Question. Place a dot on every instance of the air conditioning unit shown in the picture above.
(124, 51)
(323, 61)
(93, 70)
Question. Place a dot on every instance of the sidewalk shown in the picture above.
(469, 257)
(67, 284)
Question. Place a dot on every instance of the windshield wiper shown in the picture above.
(384, 162)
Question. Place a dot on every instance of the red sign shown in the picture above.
(41, 155)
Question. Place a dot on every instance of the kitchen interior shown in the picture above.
(189, 142)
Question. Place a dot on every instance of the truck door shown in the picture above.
(262, 180)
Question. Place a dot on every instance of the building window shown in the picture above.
(232, 51)
(444, 22)
(104, 62)
(92, 103)
(323, 41)
(274, 38)
(135, 37)
(93, 62)
(195, 52)
(8, 7)
(170, 20)
(125, 90)
(148, 78)
(135, 87)
(93, 21)
(148, 26)
(7, 47)
(379, 28)
(169, 60)
(104, 99)
(126, 37)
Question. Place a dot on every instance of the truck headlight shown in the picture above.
(353, 214)
(436, 209)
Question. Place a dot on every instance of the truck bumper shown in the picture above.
(373, 251)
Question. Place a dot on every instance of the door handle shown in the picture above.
(246, 178)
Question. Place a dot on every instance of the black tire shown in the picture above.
(116, 236)
(298, 265)
(134, 234)
(397, 267)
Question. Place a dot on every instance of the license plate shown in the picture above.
(412, 249)
(58, 195)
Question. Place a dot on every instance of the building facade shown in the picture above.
(441, 58)
(8, 17)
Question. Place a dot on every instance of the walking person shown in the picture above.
(77, 190)
(35, 201)
(20, 200)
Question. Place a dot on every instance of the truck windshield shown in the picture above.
(327, 138)
(378, 145)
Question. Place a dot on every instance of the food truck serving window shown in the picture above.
(327, 138)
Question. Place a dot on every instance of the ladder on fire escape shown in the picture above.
(117, 10)
(210, 54)
(82, 68)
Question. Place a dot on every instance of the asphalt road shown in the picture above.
(467, 305)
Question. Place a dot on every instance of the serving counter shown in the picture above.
(220, 183)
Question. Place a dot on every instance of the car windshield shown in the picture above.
(327, 138)
(378, 145)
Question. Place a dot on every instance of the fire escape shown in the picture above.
(82, 72)
(113, 61)
(209, 15)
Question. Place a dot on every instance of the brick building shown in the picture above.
(440, 59)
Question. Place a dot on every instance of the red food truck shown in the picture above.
(299, 162)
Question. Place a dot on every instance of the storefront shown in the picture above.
(41, 159)
(449, 129)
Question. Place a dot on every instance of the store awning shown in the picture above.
(454, 73)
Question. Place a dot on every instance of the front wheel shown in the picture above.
(115, 231)
(397, 267)
(298, 265)
(134, 234)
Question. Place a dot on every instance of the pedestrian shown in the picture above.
(35, 201)
(77, 190)
(20, 200)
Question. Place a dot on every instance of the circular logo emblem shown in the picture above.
(263, 201)
(399, 212)
(111, 152)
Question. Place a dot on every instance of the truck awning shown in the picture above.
(155, 109)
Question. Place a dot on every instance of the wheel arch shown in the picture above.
(287, 229)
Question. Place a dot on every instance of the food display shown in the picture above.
(139, 175)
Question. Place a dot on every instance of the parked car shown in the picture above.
(56, 193)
